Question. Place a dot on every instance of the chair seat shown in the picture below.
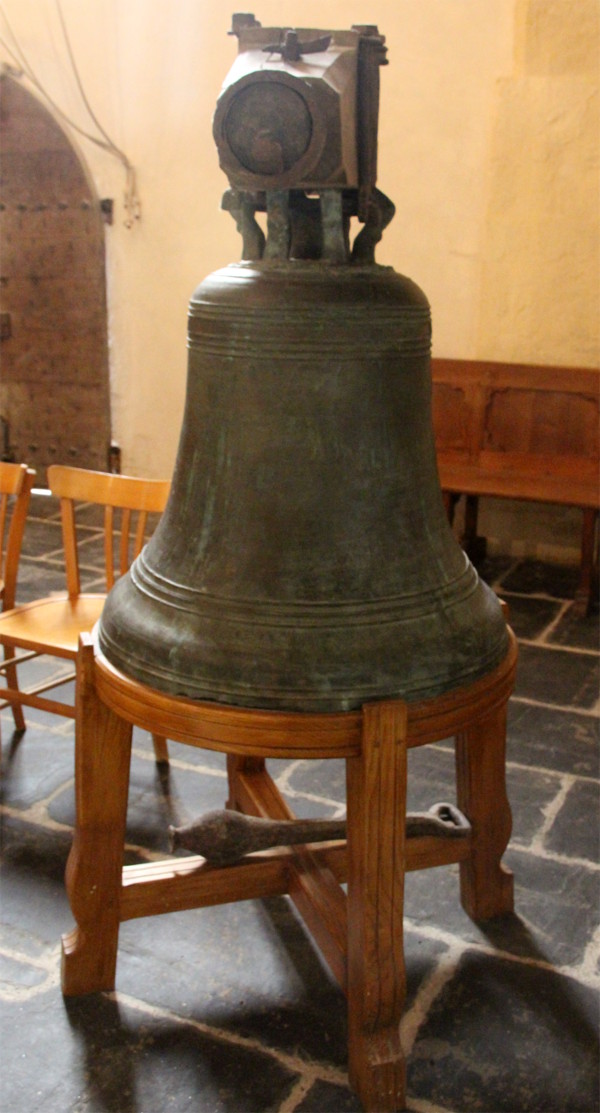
(51, 625)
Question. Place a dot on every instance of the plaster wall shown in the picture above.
(472, 92)
(539, 296)
(540, 281)
(152, 71)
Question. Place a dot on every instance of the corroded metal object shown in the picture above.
(304, 560)
(223, 837)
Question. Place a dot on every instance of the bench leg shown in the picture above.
(475, 546)
(486, 886)
(376, 800)
(587, 588)
(450, 499)
(94, 867)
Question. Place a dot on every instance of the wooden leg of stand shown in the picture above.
(240, 764)
(94, 867)
(486, 886)
(376, 790)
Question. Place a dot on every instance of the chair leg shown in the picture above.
(376, 802)
(486, 885)
(475, 546)
(161, 750)
(12, 681)
(94, 867)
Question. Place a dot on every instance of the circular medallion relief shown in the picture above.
(268, 128)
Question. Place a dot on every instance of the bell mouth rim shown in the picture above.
(307, 698)
(301, 612)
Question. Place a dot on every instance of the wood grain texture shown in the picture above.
(521, 431)
(94, 867)
(376, 793)
(360, 935)
(52, 625)
(486, 885)
(518, 430)
(291, 734)
(54, 385)
(312, 886)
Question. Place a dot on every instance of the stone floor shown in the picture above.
(230, 1009)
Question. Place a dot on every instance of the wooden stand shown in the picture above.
(360, 935)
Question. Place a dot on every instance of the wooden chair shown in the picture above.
(51, 626)
(16, 481)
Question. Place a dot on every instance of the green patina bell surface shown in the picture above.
(304, 560)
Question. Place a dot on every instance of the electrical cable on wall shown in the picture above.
(131, 199)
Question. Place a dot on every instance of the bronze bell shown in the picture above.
(304, 560)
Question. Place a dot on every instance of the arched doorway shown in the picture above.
(54, 387)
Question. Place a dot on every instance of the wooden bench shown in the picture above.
(520, 431)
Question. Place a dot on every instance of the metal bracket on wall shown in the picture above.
(107, 209)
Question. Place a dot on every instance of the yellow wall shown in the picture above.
(540, 289)
(487, 134)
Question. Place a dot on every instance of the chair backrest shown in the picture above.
(134, 498)
(16, 481)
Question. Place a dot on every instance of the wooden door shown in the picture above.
(54, 391)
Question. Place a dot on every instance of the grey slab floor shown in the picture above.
(231, 1009)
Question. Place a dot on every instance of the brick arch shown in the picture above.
(54, 387)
